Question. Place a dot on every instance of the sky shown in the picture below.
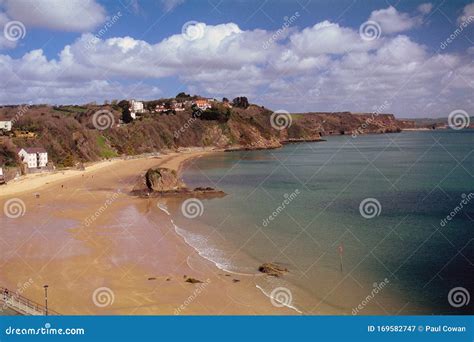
(412, 59)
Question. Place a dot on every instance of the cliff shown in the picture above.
(71, 134)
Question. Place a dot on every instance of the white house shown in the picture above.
(6, 125)
(2, 177)
(34, 157)
(136, 106)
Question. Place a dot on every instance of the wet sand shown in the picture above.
(102, 251)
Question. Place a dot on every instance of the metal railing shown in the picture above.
(23, 305)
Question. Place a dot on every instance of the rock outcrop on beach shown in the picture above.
(162, 179)
(159, 182)
(273, 269)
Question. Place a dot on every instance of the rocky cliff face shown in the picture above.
(313, 125)
(69, 136)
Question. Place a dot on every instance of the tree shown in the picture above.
(240, 102)
(183, 95)
(126, 115)
(225, 100)
(214, 114)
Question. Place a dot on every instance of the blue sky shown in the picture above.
(287, 55)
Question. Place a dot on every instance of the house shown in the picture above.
(136, 106)
(5, 126)
(202, 104)
(177, 106)
(2, 177)
(33, 157)
(160, 107)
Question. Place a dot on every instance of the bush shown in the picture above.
(213, 114)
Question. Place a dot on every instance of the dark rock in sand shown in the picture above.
(273, 269)
(235, 280)
(193, 281)
(152, 278)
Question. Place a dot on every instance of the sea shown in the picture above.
(372, 224)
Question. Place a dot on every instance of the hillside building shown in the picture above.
(33, 157)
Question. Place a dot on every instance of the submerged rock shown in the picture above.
(272, 269)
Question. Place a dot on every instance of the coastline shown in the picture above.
(37, 181)
(130, 247)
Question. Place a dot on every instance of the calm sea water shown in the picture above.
(403, 260)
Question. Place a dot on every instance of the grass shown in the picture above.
(106, 151)
(70, 109)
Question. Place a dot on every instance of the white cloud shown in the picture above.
(323, 67)
(328, 38)
(392, 21)
(71, 15)
(425, 8)
(467, 12)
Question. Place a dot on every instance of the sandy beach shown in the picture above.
(103, 251)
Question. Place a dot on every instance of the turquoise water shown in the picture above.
(418, 178)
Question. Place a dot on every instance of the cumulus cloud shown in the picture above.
(71, 15)
(425, 8)
(393, 21)
(328, 38)
(322, 67)
(467, 12)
